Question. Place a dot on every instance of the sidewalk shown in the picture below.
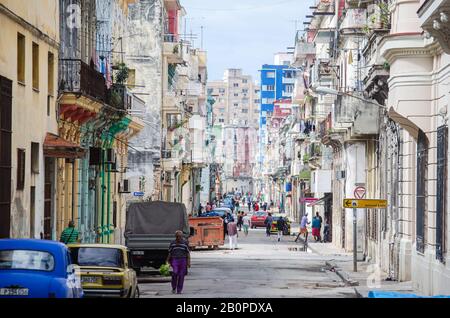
(367, 278)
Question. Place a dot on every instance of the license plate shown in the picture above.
(13, 291)
(90, 279)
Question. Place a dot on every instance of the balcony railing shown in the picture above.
(354, 21)
(117, 97)
(78, 77)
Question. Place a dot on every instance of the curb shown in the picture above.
(345, 276)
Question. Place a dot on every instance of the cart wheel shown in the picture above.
(216, 247)
(210, 246)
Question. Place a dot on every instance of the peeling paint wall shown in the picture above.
(143, 47)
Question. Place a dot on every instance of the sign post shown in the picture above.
(358, 204)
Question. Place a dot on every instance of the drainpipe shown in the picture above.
(108, 211)
(73, 190)
(102, 177)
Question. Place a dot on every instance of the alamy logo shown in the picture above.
(374, 279)
(74, 18)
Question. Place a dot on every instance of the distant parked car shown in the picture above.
(37, 269)
(106, 270)
(276, 217)
(258, 219)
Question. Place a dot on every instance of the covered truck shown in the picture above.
(149, 229)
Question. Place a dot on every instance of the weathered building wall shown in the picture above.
(37, 21)
(143, 47)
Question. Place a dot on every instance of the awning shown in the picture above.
(404, 122)
(57, 147)
(319, 201)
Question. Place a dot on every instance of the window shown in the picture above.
(210, 91)
(51, 73)
(20, 169)
(245, 91)
(35, 66)
(20, 58)
(245, 101)
(34, 157)
(221, 90)
(421, 176)
(270, 75)
(235, 85)
(222, 110)
(268, 100)
(221, 120)
(236, 95)
(244, 81)
(289, 88)
(27, 259)
(441, 193)
(257, 101)
(245, 110)
(236, 105)
(268, 87)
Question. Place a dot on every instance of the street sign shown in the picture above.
(359, 192)
(364, 203)
(138, 194)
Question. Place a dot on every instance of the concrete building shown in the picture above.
(29, 44)
(236, 109)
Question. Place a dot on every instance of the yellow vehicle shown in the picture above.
(276, 217)
(105, 270)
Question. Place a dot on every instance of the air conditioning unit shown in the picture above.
(340, 174)
(110, 156)
(124, 187)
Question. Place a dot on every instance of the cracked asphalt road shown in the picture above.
(260, 267)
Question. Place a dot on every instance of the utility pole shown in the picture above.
(201, 46)
(355, 245)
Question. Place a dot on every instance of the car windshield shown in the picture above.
(260, 214)
(27, 259)
(219, 212)
(97, 256)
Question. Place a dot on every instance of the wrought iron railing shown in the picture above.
(78, 77)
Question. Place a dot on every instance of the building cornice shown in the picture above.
(25, 24)
(394, 46)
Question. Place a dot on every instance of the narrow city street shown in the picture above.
(261, 267)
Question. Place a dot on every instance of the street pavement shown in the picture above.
(260, 267)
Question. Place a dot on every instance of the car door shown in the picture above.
(129, 271)
(73, 278)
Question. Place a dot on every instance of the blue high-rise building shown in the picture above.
(277, 83)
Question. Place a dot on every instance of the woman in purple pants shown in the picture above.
(180, 259)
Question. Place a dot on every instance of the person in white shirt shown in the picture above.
(246, 223)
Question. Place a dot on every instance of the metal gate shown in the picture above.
(422, 163)
(5, 155)
(441, 191)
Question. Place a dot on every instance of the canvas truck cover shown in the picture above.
(156, 217)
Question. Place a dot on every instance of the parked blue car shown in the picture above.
(37, 269)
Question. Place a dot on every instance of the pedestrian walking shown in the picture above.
(208, 207)
(320, 225)
(326, 231)
(281, 224)
(268, 223)
(246, 222)
(249, 204)
(239, 222)
(232, 235)
(179, 259)
(256, 207)
(316, 228)
(303, 230)
(70, 234)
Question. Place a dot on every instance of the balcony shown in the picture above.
(117, 96)
(362, 117)
(171, 159)
(173, 49)
(202, 59)
(434, 16)
(302, 50)
(78, 77)
(353, 22)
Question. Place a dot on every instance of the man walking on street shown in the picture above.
(70, 234)
(240, 218)
(246, 221)
(232, 235)
(268, 223)
(320, 225)
(303, 229)
(280, 227)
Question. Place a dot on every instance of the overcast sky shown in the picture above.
(243, 33)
